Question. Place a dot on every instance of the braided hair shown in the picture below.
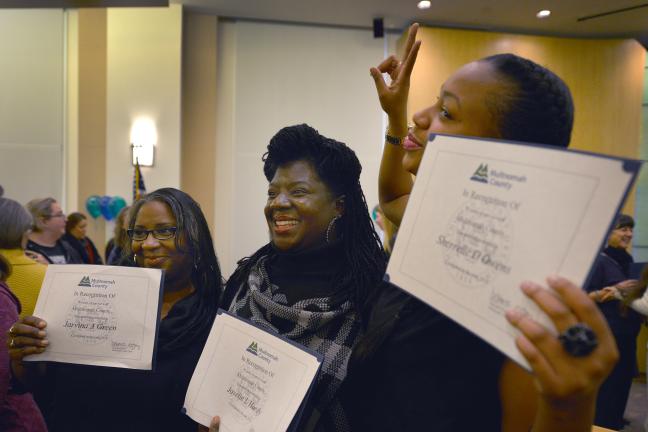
(539, 107)
(339, 168)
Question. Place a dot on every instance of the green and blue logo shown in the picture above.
(481, 174)
(85, 281)
(253, 348)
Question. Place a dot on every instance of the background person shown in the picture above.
(76, 227)
(27, 275)
(413, 365)
(119, 242)
(169, 232)
(612, 270)
(324, 258)
(49, 227)
(18, 411)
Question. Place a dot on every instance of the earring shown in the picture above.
(330, 227)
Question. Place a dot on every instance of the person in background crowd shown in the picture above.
(116, 245)
(415, 369)
(75, 235)
(612, 272)
(168, 231)
(27, 275)
(49, 227)
(324, 258)
(18, 411)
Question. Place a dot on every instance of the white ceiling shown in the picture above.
(501, 15)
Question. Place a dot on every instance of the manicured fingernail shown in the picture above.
(513, 315)
(526, 287)
(42, 324)
(44, 342)
(553, 279)
(42, 333)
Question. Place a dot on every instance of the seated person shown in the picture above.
(49, 227)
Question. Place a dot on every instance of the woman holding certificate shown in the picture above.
(168, 231)
(324, 257)
(417, 368)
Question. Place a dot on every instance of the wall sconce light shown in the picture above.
(143, 139)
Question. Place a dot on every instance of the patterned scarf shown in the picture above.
(328, 328)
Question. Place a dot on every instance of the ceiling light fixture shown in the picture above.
(424, 4)
(543, 13)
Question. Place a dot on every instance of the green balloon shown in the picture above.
(116, 204)
(93, 206)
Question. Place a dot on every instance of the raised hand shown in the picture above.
(393, 97)
(566, 384)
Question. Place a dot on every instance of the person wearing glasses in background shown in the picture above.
(45, 239)
(168, 231)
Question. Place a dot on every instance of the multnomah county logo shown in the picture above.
(253, 348)
(481, 174)
(85, 281)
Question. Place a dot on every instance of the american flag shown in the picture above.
(139, 190)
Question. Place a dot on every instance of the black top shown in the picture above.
(313, 270)
(613, 266)
(89, 398)
(60, 253)
(415, 369)
(85, 248)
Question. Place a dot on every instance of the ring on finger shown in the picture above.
(578, 340)
(12, 330)
(12, 343)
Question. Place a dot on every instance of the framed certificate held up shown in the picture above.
(486, 215)
(252, 379)
(100, 315)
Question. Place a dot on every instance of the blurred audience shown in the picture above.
(75, 235)
(27, 275)
(18, 411)
(49, 227)
(120, 241)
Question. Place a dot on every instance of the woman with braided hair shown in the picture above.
(310, 282)
(419, 369)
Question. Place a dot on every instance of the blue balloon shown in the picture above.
(104, 205)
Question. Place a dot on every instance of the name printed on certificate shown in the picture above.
(486, 215)
(100, 315)
(252, 379)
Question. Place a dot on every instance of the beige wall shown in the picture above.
(605, 77)
(32, 53)
(91, 85)
(143, 61)
(199, 71)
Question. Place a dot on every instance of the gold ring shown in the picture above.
(12, 343)
(12, 331)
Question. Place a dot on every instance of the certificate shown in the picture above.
(252, 379)
(100, 315)
(486, 215)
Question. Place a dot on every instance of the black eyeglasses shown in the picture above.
(138, 234)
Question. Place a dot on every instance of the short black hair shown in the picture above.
(538, 109)
(624, 221)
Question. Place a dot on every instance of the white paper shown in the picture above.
(99, 315)
(253, 380)
(485, 216)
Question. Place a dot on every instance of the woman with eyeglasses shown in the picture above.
(168, 231)
(49, 226)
